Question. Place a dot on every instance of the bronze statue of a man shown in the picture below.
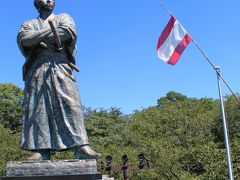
(53, 116)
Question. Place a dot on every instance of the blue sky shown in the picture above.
(117, 48)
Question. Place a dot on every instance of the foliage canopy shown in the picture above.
(181, 136)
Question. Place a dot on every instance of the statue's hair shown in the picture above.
(36, 3)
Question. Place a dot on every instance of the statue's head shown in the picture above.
(44, 5)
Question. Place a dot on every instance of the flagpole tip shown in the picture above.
(217, 69)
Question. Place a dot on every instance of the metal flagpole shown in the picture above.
(230, 173)
(217, 69)
(206, 57)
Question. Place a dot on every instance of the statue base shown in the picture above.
(53, 170)
(60, 177)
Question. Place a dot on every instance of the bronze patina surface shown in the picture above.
(53, 115)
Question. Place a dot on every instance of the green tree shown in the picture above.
(11, 98)
(182, 137)
(232, 109)
(9, 149)
(171, 97)
(177, 137)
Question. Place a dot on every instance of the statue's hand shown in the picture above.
(50, 39)
(60, 32)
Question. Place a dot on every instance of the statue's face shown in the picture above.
(45, 5)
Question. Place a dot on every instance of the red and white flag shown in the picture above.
(172, 42)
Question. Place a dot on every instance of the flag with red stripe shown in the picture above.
(172, 41)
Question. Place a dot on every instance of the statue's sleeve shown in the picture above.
(67, 23)
(23, 31)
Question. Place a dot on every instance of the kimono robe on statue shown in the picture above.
(53, 115)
